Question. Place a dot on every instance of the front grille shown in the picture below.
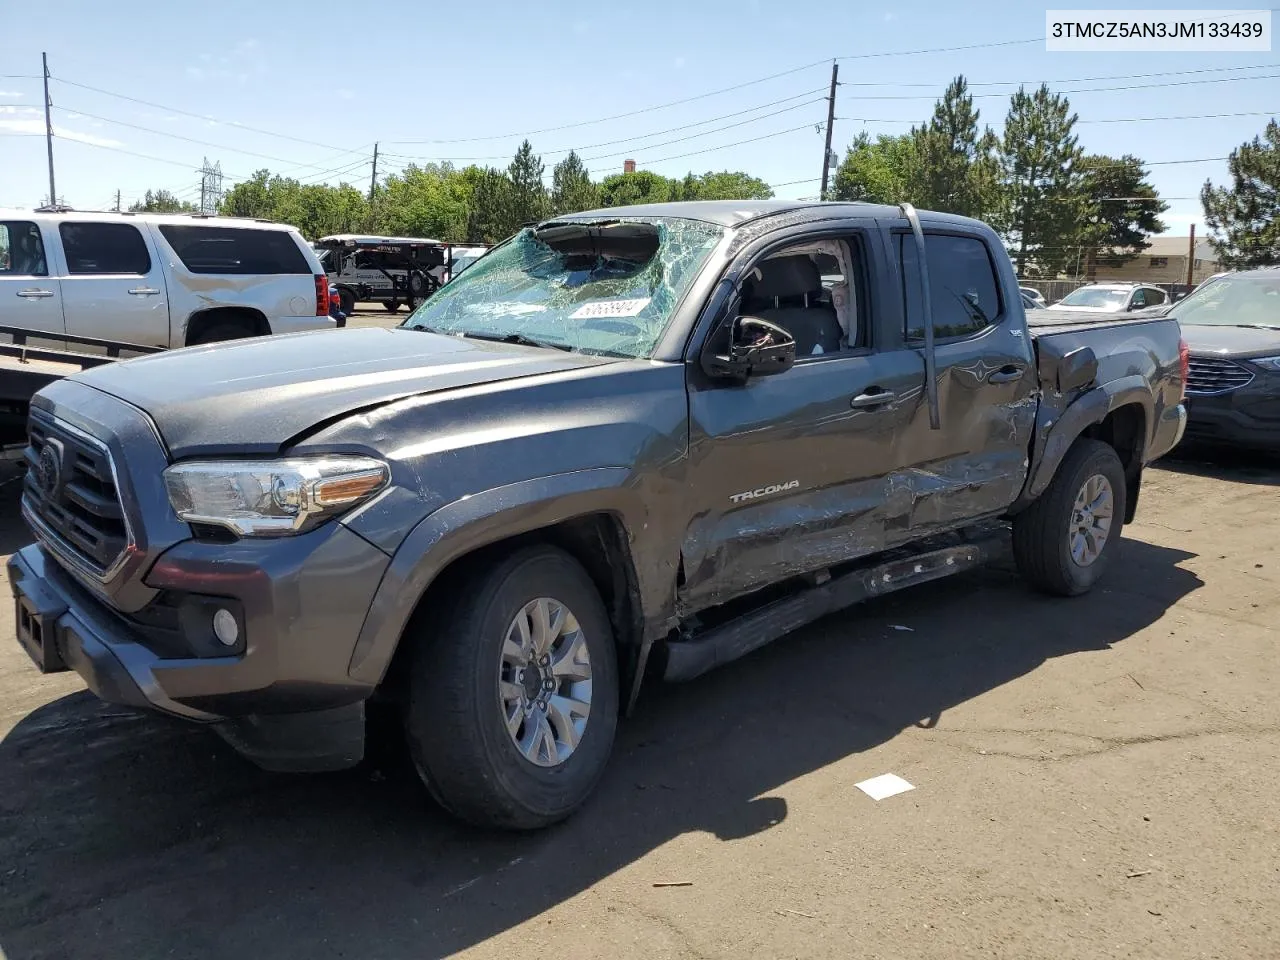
(70, 489)
(1210, 375)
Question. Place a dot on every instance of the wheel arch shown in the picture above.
(587, 514)
(251, 318)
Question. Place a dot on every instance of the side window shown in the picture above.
(810, 289)
(232, 250)
(1155, 298)
(1139, 299)
(104, 248)
(21, 250)
(962, 286)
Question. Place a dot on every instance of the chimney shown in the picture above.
(628, 166)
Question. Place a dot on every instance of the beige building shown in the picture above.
(1165, 261)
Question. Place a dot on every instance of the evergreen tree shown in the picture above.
(1046, 207)
(876, 171)
(1122, 210)
(489, 217)
(1245, 217)
(527, 198)
(571, 188)
(955, 167)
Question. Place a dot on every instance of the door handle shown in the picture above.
(1006, 375)
(144, 291)
(874, 397)
(35, 294)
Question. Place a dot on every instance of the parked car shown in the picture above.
(1111, 298)
(1232, 326)
(157, 280)
(1031, 303)
(1033, 294)
(631, 442)
(393, 271)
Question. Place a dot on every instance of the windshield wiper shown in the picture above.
(519, 338)
(1256, 326)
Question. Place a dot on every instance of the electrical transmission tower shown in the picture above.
(210, 187)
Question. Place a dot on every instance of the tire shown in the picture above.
(391, 306)
(456, 719)
(1043, 533)
(347, 301)
(222, 332)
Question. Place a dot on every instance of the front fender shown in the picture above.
(470, 523)
(1090, 408)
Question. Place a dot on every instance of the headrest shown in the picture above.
(792, 276)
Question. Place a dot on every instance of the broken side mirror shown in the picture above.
(1077, 369)
(757, 348)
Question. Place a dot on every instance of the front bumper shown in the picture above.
(301, 602)
(1248, 417)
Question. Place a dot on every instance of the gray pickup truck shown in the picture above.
(628, 443)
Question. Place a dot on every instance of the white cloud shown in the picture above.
(10, 94)
(11, 111)
(37, 127)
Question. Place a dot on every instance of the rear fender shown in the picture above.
(1089, 408)
(477, 521)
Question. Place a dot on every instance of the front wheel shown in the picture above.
(513, 697)
(1064, 541)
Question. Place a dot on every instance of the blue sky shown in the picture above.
(483, 74)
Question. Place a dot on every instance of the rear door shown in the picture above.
(976, 463)
(113, 287)
(30, 296)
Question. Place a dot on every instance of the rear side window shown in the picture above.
(962, 286)
(229, 250)
(104, 248)
(21, 249)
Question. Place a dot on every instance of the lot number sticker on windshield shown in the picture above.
(610, 308)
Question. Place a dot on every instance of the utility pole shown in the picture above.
(1191, 255)
(831, 119)
(373, 183)
(117, 201)
(48, 130)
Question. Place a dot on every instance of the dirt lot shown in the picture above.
(1093, 778)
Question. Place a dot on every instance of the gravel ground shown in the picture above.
(1093, 778)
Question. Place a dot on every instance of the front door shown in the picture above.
(113, 287)
(976, 463)
(788, 473)
(30, 296)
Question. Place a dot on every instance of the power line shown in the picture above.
(1137, 86)
(144, 156)
(1192, 116)
(736, 143)
(642, 136)
(1005, 83)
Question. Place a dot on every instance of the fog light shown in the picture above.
(225, 627)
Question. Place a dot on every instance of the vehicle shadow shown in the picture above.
(1223, 463)
(13, 531)
(127, 835)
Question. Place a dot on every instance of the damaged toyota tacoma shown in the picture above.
(625, 444)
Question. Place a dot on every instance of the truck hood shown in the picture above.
(251, 397)
(1216, 340)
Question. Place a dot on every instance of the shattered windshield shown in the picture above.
(599, 287)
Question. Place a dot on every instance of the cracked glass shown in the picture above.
(607, 287)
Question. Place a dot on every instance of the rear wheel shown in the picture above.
(1064, 541)
(513, 698)
(347, 301)
(391, 306)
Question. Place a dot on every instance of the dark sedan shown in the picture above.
(1232, 327)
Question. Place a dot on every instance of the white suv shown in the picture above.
(157, 280)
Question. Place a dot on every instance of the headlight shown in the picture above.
(272, 498)
(1267, 363)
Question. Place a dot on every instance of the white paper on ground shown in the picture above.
(885, 785)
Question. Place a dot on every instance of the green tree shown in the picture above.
(489, 214)
(1122, 210)
(643, 186)
(527, 201)
(571, 188)
(954, 167)
(1046, 207)
(161, 201)
(428, 201)
(876, 171)
(1245, 217)
(249, 198)
(728, 185)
